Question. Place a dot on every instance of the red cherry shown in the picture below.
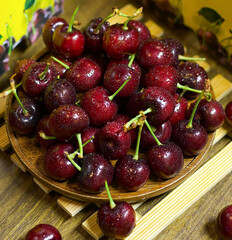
(228, 111)
(224, 223)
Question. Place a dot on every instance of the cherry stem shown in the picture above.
(132, 58)
(60, 62)
(186, 88)
(119, 89)
(44, 136)
(42, 75)
(152, 133)
(73, 162)
(72, 19)
(72, 155)
(78, 135)
(12, 84)
(96, 30)
(139, 11)
(6, 93)
(136, 155)
(135, 120)
(112, 203)
(9, 35)
(181, 57)
(190, 123)
(181, 95)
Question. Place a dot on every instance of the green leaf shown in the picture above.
(28, 4)
(0, 36)
(211, 15)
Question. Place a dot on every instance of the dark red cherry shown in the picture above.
(43, 127)
(37, 77)
(118, 42)
(224, 223)
(134, 104)
(164, 76)
(191, 140)
(49, 28)
(228, 111)
(98, 106)
(43, 232)
(67, 120)
(112, 141)
(59, 92)
(118, 222)
(95, 170)
(21, 67)
(56, 164)
(162, 132)
(85, 136)
(131, 174)
(166, 161)
(84, 74)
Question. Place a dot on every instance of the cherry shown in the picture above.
(228, 111)
(43, 232)
(224, 223)
(43, 133)
(59, 92)
(37, 77)
(164, 76)
(67, 120)
(112, 141)
(116, 220)
(89, 133)
(49, 28)
(21, 67)
(67, 41)
(56, 164)
(134, 104)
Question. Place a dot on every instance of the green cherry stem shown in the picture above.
(136, 155)
(73, 162)
(6, 93)
(72, 19)
(152, 133)
(78, 135)
(139, 11)
(131, 58)
(60, 62)
(112, 203)
(190, 123)
(9, 35)
(119, 89)
(185, 58)
(42, 75)
(44, 136)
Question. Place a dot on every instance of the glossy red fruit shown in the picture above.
(43, 232)
(21, 67)
(56, 164)
(85, 136)
(118, 43)
(228, 111)
(166, 161)
(224, 223)
(134, 104)
(118, 222)
(68, 44)
(67, 120)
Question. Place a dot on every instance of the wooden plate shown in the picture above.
(32, 157)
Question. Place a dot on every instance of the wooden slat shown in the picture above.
(184, 196)
(2, 107)
(92, 227)
(4, 143)
(72, 207)
(221, 86)
(42, 186)
(221, 132)
(14, 158)
(155, 29)
(203, 64)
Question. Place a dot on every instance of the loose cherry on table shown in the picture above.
(116, 220)
(224, 223)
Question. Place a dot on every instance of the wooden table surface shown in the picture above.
(23, 204)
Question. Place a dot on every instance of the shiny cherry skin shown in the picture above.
(49, 28)
(165, 76)
(191, 140)
(67, 120)
(131, 174)
(112, 141)
(24, 124)
(84, 74)
(33, 83)
(98, 106)
(95, 170)
(228, 111)
(134, 104)
(56, 164)
(166, 161)
(94, 40)
(43, 232)
(118, 42)
(179, 113)
(43, 126)
(69, 45)
(85, 136)
(21, 67)
(162, 132)
(224, 223)
(59, 92)
(118, 222)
